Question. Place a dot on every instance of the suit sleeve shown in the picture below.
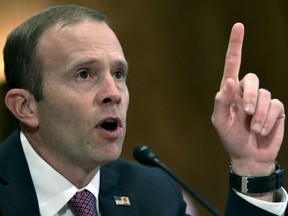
(237, 206)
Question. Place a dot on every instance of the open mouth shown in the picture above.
(110, 124)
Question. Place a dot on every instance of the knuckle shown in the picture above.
(252, 76)
(265, 93)
(277, 104)
(260, 117)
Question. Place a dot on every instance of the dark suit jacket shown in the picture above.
(239, 207)
(151, 192)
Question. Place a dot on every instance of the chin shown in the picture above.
(111, 154)
(108, 160)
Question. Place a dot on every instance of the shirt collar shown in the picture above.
(52, 189)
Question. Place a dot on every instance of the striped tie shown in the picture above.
(82, 203)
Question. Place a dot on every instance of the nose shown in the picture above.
(109, 92)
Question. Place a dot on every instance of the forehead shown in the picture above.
(86, 27)
(88, 37)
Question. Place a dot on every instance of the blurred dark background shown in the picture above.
(176, 51)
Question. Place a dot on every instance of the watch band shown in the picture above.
(256, 185)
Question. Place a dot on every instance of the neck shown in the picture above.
(78, 173)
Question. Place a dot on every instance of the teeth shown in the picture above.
(109, 121)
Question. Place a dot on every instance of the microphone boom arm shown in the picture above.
(147, 156)
(204, 203)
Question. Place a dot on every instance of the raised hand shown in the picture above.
(249, 123)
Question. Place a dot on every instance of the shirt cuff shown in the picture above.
(277, 208)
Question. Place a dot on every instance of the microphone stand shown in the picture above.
(210, 208)
(147, 156)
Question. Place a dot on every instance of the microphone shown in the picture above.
(148, 157)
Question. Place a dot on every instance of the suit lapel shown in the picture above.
(18, 196)
(109, 187)
(17, 193)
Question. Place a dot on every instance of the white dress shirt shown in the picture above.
(52, 189)
(277, 208)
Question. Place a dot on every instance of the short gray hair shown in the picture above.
(22, 64)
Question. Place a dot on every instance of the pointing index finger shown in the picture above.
(233, 55)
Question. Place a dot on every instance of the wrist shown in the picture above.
(252, 168)
(257, 184)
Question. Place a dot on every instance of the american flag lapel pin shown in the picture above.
(122, 200)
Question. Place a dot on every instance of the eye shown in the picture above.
(83, 75)
(120, 75)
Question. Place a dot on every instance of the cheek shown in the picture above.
(62, 113)
(63, 123)
(126, 98)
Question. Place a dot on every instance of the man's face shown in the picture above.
(82, 118)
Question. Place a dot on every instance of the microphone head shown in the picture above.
(146, 156)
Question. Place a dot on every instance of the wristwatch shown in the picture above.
(257, 185)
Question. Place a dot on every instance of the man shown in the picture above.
(66, 71)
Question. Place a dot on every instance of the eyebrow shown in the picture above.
(121, 63)
(88, 61)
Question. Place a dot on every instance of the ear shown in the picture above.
(23, 106)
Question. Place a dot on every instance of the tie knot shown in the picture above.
(82, 203)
